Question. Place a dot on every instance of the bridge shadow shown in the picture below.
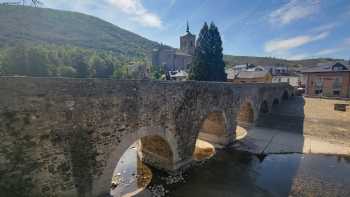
(277, 136)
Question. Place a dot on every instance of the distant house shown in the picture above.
(327, 81)
(179, 75)
(293, 80)
(231, 74)
(240, 67)
(279, 70)
(258, 76)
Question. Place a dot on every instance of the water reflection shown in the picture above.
(233, 173)
(131, 176)
(236, 173)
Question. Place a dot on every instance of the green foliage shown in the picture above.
(65, 61)
(121, 72)
(200, 65)
(231, 60)
(208, 64)
(29, 25)
(216, 65)
(67, 71)
(21, 60)
(157, 72)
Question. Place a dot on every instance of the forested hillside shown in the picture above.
(24, 24)
(231, 60)
(39, 41)
(47, 42)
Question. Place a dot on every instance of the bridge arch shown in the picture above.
(213, 127)
(245, 115)
(158, 148)
(275, 101)
(264, 107)
(245, 118)
(285, 95)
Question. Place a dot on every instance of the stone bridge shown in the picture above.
(64, 137)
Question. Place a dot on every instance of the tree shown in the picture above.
(66, 71)
(120, 72)
(216, 64)
(23, 60)
(99, 68)
(200, 65)
(79, 63)
(208, 63)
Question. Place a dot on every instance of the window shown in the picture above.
(318, 91)
(337, 84)
(336, 93)
(318, 86)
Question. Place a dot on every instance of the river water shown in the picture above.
(231, 173)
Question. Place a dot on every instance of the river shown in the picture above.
(232, 173)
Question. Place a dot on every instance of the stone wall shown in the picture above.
(64, 137)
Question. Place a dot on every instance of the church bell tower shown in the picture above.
(188, 42)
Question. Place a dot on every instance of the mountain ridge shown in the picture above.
(24, 24)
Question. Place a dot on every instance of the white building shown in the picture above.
(293, 80)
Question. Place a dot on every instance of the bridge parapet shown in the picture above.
(63, 137)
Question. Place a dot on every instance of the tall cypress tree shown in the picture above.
(217, 65)
(200, 65)
(208, 63)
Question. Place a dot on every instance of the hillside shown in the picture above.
(268, 61)
(24, 24)
(63, 36)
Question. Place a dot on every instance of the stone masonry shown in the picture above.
(64, 137)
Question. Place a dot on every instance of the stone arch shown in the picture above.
(156, 151)
(245, 115)
(285, 95)
(149, 138)
(244, 120)
(213, 128)
(264, 107)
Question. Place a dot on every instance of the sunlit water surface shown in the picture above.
(231, 173)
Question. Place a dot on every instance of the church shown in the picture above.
(176, 59)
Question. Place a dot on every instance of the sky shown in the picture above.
(292, 29)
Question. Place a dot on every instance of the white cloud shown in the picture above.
(343, 46)
(347, 41)
(325, 27)
(138, 12)
(294, 10)
(297, 57)
(328, 51)
(276, 46)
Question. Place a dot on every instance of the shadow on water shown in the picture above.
(286, 116)
(231, 173)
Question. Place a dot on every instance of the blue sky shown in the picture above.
(292, 29)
